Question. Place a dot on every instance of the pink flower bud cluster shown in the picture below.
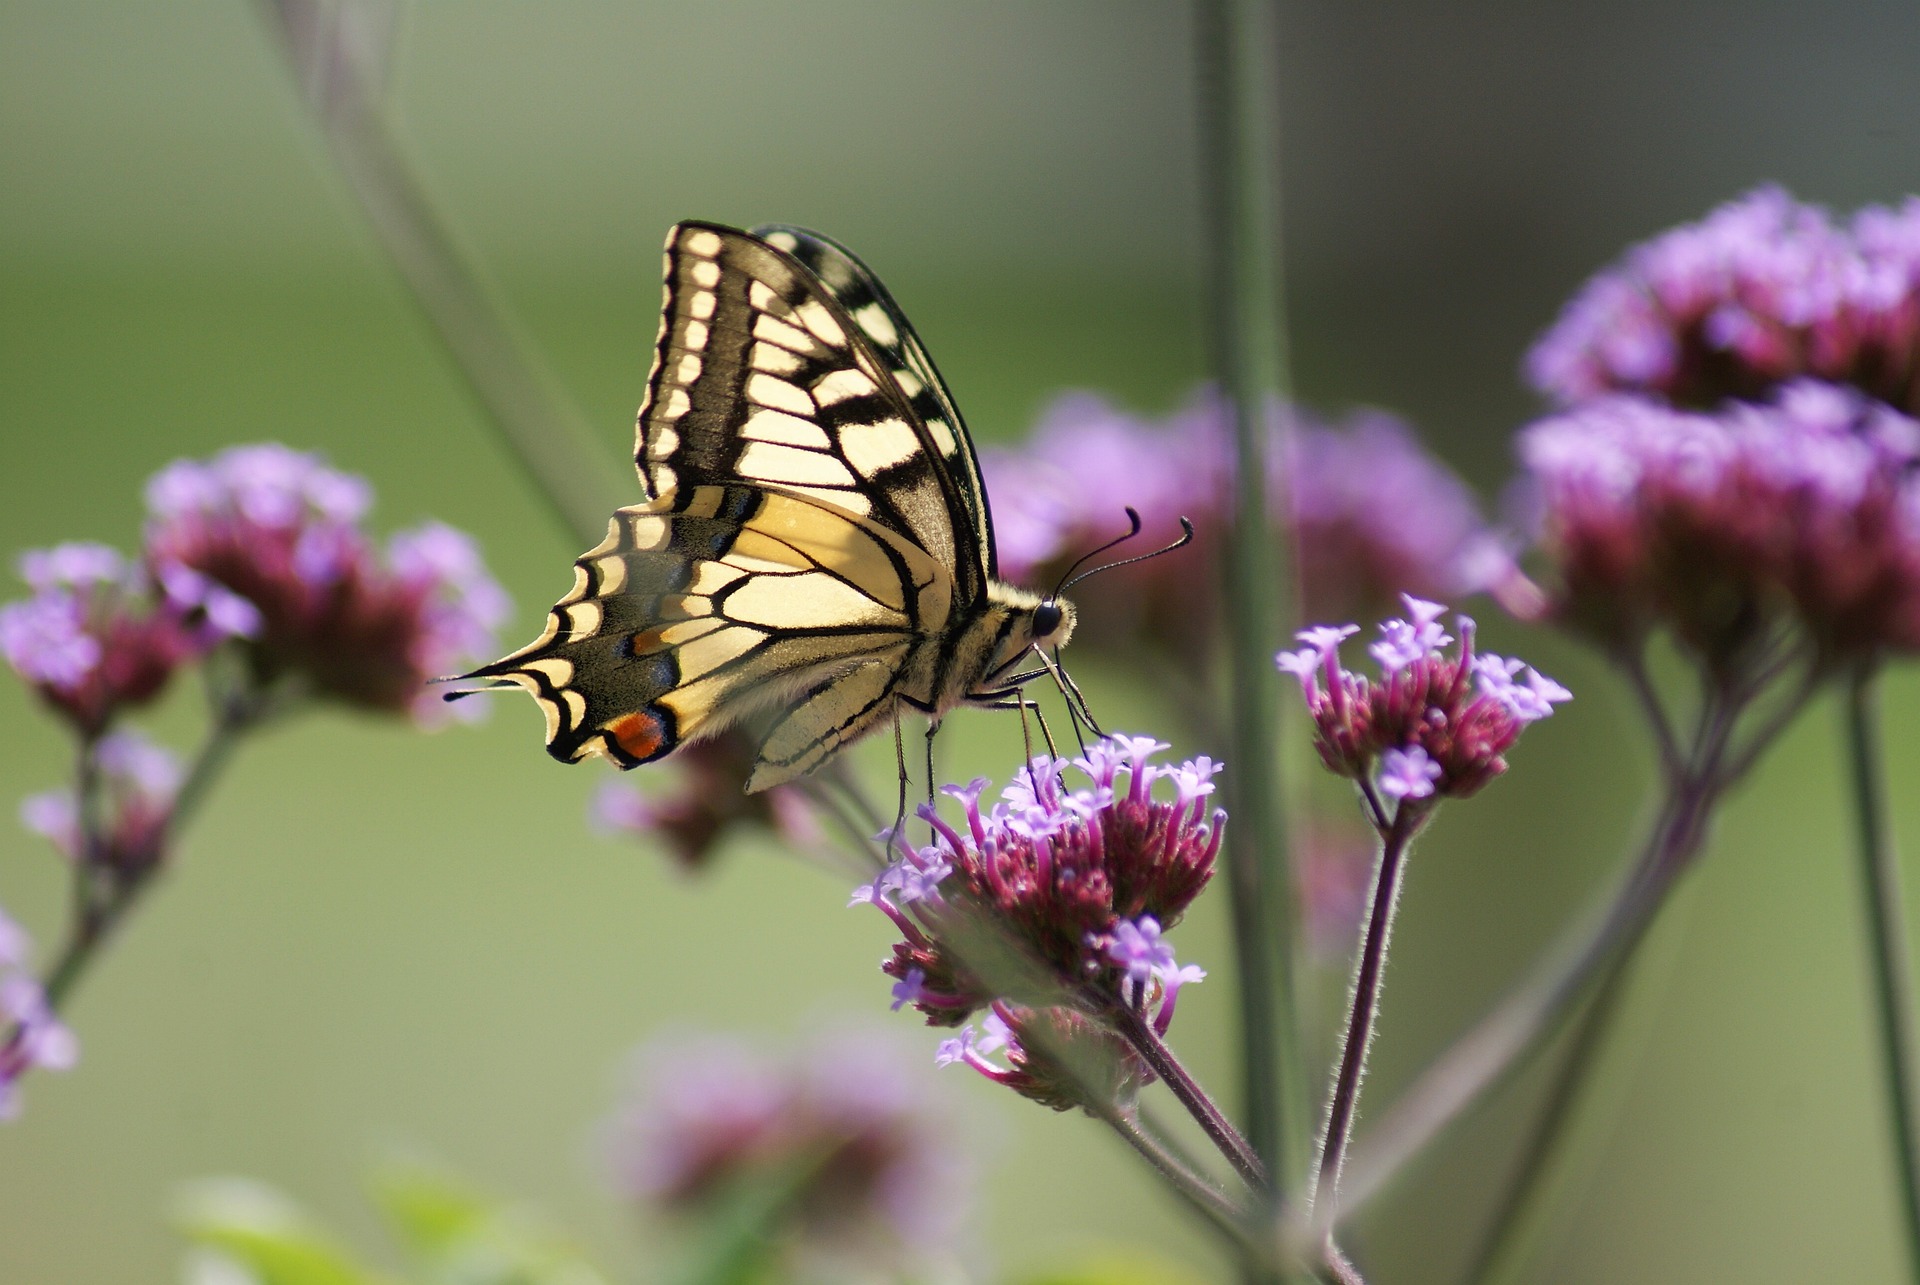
(714, 1117)
(1762, 291)
(1433, 725)
(1077, 887)
(1803, 510)
(348, 622)
(1373, 514)
(708, 804)
(30, 1035)
(1054, 1056)
(100, 634)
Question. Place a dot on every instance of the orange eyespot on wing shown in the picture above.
(641, 735)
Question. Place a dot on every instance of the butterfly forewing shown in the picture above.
(761, 376)
(881, 321)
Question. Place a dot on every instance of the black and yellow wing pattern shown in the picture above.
(816, 540)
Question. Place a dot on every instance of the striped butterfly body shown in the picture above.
(816, 546)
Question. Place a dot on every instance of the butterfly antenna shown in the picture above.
(1186, 538)
(1066, 577)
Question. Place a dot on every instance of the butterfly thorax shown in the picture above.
(980, 657)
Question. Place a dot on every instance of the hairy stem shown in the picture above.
(1344, 1099)
(1490, 1050)
(545, 435)
(1887, 937)
(1138, 1032)
(1238, 104)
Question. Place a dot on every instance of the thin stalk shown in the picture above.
(1138, 1032)
(1236, 49)
(1344, 1100)
(1886, 931)
(1202, 1196)
(1549, 1128)
(547, 436)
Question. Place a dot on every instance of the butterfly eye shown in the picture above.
(1046, 619)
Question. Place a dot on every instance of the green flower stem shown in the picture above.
(573, 472)
(1886, 930)
(1212, 1204)
(1238, 104)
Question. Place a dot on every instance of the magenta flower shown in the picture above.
(712, 1117)
(707, 803)
(1373, 514)
(1762, 291)
(337, 618)
(1079, 882)
(1055, 1056)
(138, 781)
(1806, 508)
(1420, 731)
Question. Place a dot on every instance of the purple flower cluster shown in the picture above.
(709, 802)
(1373, 514)
(1808, 505)
(714, 1116)
(1053, 895)
(1055, 1056)
(1433, 725)
(1762, 291)
(282, 530)
(138, 781)
(34, 1037)
(100, 635)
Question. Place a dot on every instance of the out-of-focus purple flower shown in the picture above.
(137, 782)
(1763, 290)
(886, 1184)
(96, 638)
(1374, 515)
(1421, 730)
(278, 530)
(708, 802)
(1721, 525)
(1080, 882)
(1333, 865)
(30, 1034)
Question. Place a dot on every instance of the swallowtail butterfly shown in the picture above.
(816, 544)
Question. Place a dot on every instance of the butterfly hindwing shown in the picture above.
(715, 601)
(761, 376)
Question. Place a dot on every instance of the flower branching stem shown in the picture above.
(1212, 1204)
(1133, 1027)
(1887, 938)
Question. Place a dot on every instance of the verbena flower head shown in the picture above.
(1374, 514)
(98, 636)
(1763, 290)
(1434, 724)
(1804, 510)
(349, 622)
(30, 1034)
(707, 804)
(138, 782)
(1053, 891)
(714, 1117)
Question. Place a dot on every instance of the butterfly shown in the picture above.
(816, 545)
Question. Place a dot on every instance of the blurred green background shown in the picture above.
(379, 941)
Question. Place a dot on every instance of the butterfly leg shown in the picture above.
(933, 725)
(898, 837)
